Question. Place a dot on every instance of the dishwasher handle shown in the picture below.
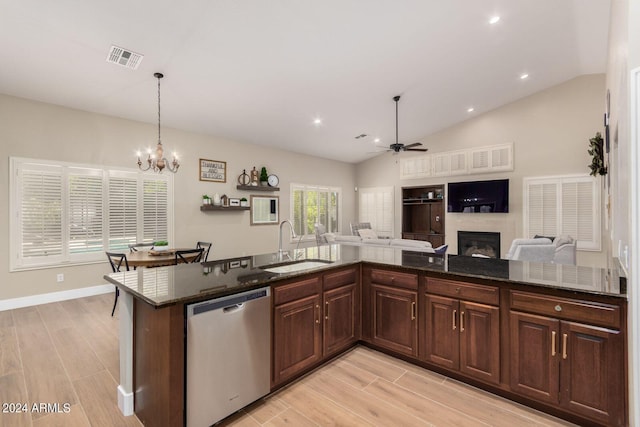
(233, 308)
(228, 304)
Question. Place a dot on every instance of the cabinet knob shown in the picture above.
(437, 218)
(558, 308)
(457, 290)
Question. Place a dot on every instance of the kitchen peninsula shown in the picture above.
(550, 336)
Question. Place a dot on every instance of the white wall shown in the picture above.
(37, 130)
(550, 131)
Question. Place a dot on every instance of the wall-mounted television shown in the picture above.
(478, 196)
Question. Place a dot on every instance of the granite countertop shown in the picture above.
(163, 286)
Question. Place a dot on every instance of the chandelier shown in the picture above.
(157, 162)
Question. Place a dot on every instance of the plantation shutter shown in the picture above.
(155, 210)
(122, 206)
(566, 205)
(40, 213)
(85, 216)
(376, 207)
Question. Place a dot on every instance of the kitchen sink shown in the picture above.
(296, 266)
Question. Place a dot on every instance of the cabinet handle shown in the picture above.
(326, 312)
(318, 310)
(462, 321)
(553, 343)
(564, 346)
(453, 319)
(413, 311)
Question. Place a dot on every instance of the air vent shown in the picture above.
(124, 57)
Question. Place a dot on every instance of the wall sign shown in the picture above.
(213, 170)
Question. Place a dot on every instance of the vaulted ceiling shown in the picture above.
(262, 71)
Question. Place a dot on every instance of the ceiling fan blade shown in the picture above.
(415, 144)
(416, 149)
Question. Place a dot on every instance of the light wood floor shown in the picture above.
(67, 352)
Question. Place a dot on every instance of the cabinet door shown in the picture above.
(534, 356)
(340, 318)
(592, 375)
(395, 319)
(296, 337)
(442, 345)
(480, 341)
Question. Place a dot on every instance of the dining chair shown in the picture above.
(206, 246)
(134, 246)
(183, 255)
(117, 261)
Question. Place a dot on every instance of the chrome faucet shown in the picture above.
(282, 253)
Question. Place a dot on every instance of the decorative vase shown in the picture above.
(216, 199)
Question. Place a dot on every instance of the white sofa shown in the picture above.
(562, 250)
(368, 237)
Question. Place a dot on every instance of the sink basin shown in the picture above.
(296, 266)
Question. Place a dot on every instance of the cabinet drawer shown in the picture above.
(296, 290)
(394, 278)
(340, 278)
(568, 309)
(466, 291)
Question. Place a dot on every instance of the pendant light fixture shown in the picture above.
(158, 162)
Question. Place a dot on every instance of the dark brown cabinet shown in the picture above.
(423, 214)
(459, 334)
(573, 365)
(310, 323)
(341, 299)
(297, 335)
(392, 310)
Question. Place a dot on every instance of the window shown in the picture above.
(375, 206)
(564, 205)
(67, 214)
(311, 204)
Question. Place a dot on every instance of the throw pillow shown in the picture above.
(563, 240)
(537, 236)
(367, 233)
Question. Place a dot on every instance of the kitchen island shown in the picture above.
(509, 327)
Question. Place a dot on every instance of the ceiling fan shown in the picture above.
(398, 147)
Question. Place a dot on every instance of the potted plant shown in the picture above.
(263, 176)
(206, 200)
(161, 245)
(244, 202)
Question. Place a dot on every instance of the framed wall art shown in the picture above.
(213, 170)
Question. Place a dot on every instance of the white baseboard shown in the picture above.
(125, 402)
(10, 304)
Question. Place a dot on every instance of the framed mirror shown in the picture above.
(264, 210)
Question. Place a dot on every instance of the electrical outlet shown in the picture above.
(60, 277)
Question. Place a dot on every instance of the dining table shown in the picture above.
(151, 258)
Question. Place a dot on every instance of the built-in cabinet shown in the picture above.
(559, 351)
(461, 328)
(423, 214)
(568, 353)
(313, 319)
(392, 302)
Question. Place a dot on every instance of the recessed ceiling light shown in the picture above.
(470, 110)
(524, 76)
(317, 121)
(494, 20)
(376, 140)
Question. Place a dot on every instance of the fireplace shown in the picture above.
(479, 243)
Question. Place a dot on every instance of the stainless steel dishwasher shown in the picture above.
(228, 355)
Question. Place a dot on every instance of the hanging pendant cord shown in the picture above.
(159, 77)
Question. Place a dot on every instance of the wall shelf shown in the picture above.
(223, 208)
(257, 188)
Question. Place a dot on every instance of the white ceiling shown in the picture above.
(260, 71)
